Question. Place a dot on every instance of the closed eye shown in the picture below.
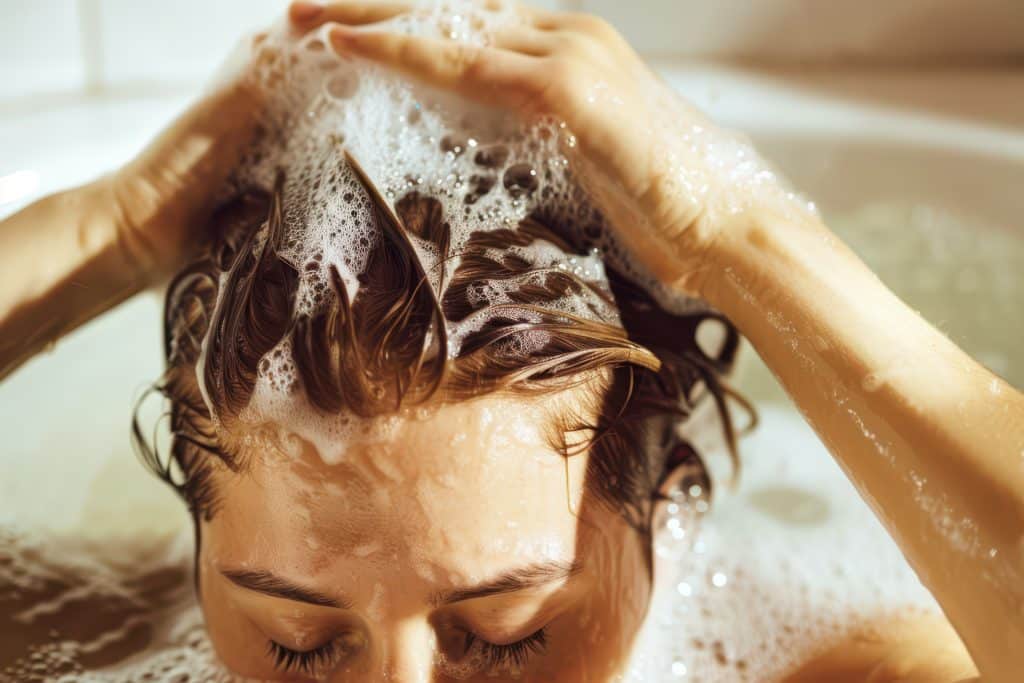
(308, 662)
(513, 655)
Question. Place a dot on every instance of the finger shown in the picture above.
(548, 21)
(353, 12)
(477, 72)
(527, 41)
(539, 17)
(579, 22)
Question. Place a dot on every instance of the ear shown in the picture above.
(684, 488)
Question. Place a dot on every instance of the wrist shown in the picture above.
(763, 250)
(112, 232)
(132, 205)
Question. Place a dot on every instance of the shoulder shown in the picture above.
(915, 649)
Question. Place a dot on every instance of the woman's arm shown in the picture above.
(908, 649)
(61, 263)
(73, 255)
(933, 441)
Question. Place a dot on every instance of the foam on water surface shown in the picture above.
(781, 570)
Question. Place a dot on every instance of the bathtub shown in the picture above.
(923, 173)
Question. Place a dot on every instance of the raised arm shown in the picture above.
(73, 255)
(933, 441)
(61, 263)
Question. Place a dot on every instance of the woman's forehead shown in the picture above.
(472, 481)
(474, 440)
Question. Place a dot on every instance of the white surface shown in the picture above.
(183, 41)
(39, 47)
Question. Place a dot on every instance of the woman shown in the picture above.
(372, 580)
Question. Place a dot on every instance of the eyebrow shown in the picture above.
(531, 576)
(278, 587)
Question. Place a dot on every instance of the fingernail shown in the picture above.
(306, 10)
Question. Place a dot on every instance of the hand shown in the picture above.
(162, 199)
(644, 154)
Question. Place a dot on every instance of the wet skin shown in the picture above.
(450, 539)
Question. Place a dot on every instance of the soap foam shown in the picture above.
(488, 172)
(87, 608)
(488, 169)
(779, 571)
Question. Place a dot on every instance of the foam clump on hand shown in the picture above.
(488, 169)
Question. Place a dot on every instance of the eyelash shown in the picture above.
(514, 654)
(308, 662)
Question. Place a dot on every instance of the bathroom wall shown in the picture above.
(874, 31)
(66, 47)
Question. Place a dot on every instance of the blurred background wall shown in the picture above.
(67, 47)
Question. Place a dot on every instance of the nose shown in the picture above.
(407, 651)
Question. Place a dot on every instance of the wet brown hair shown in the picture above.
(387, 350)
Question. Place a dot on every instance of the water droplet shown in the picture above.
(871, 382)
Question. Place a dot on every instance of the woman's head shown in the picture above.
(511, 429)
